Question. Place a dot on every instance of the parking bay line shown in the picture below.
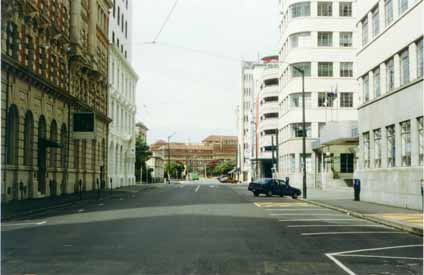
(297, 209)
(307, 220)
(314, 214)
(335, 225)
(23, 224)
(378, 256)
(197, 188)
(351, 233)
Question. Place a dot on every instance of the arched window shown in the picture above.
(41, 156)
(94, 154)
(28, 139)
(53, 137)
(76, 154)
(12, 135)
(64, 142)
(84, 154)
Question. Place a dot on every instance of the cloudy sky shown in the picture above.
(190, 80)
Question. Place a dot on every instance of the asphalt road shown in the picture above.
(203, 228)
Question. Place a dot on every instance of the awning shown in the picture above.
(235, 170)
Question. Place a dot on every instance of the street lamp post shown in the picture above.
(169, 157)
(302, 72)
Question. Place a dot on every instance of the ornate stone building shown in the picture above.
(54, 63)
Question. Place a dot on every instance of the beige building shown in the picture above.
(54, 64)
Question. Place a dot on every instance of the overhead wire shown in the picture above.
(165, 22)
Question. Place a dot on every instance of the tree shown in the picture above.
(175, 169)
(142, 154)
(224, 167)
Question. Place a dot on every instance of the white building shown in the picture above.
(391, 129)
(268, 113)
(248, 152)
(317, 37)
(122, 108)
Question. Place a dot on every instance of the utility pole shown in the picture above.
(169, 157)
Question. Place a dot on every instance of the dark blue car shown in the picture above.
(271, 187)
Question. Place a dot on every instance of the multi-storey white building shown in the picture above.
(122, 86)
(248, 151)
(391, 128)
(317, 37)
(268, 113)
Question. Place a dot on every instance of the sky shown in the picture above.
(190, 80)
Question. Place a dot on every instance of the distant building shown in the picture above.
(157, 166)
(391, 125)
(142, 130)
(224, 147)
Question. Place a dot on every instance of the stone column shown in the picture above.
(92, 24)
(75, 21)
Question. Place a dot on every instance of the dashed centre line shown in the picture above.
(352, 232)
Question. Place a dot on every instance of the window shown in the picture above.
(377, 148)
(404, 66)
(325, 39)
(321, 126)
(12, 135)
(325, 69)
(300, 9)
(126, 29)
(345, 39)
(346, 163)
(292, 158)
(325, 8)
(302, 39)
(345, 9)
(366, 88)
(28, 138)
(119, 15)
(346, 69)
(364, 31)
(53, 137)
(403, 6)
(346, 100)
(326, 99)
(305, 67)
(114, 8)
(391, 146)
(405, 137)
(366, 143)
(296, 100)
(377, 88)
(375, 22)
(308, 163)
(390, 74)
(420, 58)
(388, 8)
(297, 130)
(420, 127)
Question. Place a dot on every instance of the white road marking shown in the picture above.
(197, 188)
(336, 225)
(352, 232)
(80, 210)
(25, 223)
(314, 214)
(350, 272)
(378, 256)
(297, 209)
(307, 220)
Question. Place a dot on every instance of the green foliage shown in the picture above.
(224, 167)
(142, 154)
(175, 169)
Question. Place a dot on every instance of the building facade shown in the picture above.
(318, 38)
(54, 64)
(224, 147)
(122, 87)
(251, 75)
(390, 72)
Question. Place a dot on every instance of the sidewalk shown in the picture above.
(342, 200)
(17, 209)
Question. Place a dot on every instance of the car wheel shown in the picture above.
(281, 195)
(269, 194)
(256, 194)
(294, 196)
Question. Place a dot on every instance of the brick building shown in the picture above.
(54, 63)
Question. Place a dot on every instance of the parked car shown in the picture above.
(194, 176)
(223, 178)
(271, 187)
